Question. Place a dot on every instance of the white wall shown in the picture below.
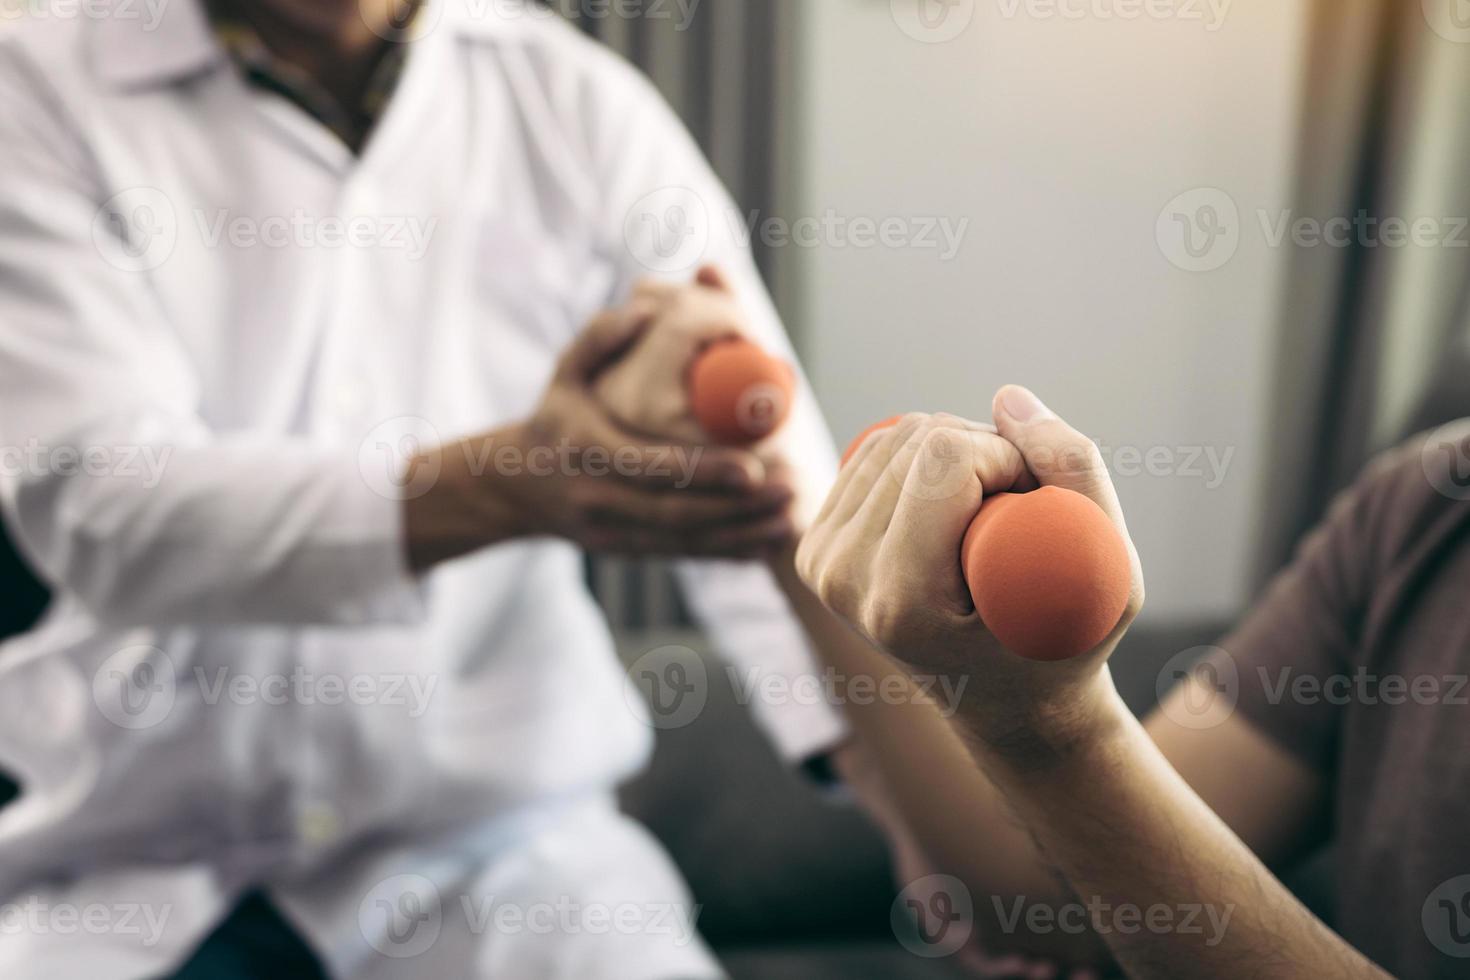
(1061, 141)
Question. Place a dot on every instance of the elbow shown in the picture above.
(76, 548)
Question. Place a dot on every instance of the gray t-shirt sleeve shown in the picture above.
(1300, 643)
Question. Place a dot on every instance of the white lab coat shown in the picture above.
(220, 334)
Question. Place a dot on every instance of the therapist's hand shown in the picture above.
(572, 471)
(648, 390)
(884, 555)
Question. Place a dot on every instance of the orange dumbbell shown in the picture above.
(739, 393)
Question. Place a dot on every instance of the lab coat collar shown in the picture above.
(134, 52)
(130, 51)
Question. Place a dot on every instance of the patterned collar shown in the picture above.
(264, 69)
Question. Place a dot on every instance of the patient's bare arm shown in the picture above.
(1099, 799)
(903, 746)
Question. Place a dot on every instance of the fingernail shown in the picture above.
(1021, 405)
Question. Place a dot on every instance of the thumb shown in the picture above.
(607, 338)
(1055, 453)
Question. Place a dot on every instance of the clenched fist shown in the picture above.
(648, 390)
(884, 552)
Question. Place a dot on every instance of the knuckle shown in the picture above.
(1136, 599)
(922, 424)
(834, 587)
(909, 428)
(996, 456)
(885, 619)
(937, 442)
(589, 505)
(542, 428)
(1067, 453)
(823, 584)
(670, 512)
(806, 558)
(1091, 456)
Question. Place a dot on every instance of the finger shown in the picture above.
(1060, 456)
(654, 288)
(872, 466)
(607, 337)
(1055, 453)
(964, 446)
(702, 324)
(679, 512)
(663, 465)
(874, 514)
(952, 471)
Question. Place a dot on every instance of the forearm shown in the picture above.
(468, 505)
(198, 530)
(925, 779)
(1161, 878)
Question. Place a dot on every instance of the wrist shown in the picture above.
(1043, 733)
(473, 504)
(782, 561)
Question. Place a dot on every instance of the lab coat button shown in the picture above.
(320, 824)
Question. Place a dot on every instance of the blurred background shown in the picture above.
(1227, 238)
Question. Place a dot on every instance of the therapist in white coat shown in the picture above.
(256, 264)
